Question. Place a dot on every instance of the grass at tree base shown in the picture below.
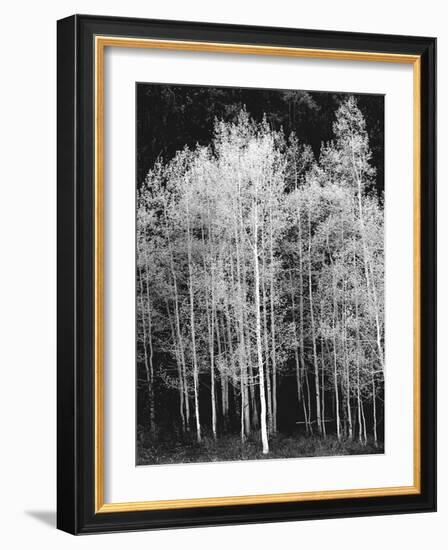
(230, 447)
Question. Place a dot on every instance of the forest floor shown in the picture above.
(229, 447)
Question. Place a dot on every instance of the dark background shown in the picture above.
(170, 116)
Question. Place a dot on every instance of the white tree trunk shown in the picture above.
(313, 331)
(264, 431)
(177, 324)
(335, 360)
(193, 330)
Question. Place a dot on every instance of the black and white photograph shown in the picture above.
(259, 274)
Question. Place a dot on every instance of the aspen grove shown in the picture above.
(260, 266)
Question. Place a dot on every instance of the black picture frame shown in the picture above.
(76, 511)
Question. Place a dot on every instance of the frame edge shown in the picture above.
(67, 502)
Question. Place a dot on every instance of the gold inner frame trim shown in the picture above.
(101, 42)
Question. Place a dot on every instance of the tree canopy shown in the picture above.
(172, 116)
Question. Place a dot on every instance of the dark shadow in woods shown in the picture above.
(47, 517)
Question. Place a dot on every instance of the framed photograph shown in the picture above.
(246, 274)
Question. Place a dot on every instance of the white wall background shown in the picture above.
(28, 272)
